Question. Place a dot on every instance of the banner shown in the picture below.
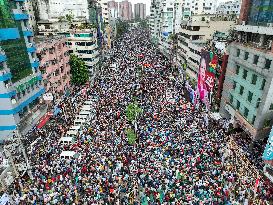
(268, 152)
(206, 75)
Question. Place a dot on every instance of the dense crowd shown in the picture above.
(181, 156)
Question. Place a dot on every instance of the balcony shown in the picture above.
(35, 64)
(9, 34)
(3, 57)
(20, 15)
(28, 33)
(5, 76)
(255, 29)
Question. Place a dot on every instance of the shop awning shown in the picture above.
(44, 120)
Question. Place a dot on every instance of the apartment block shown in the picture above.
(229, 8)
(140, 10)
(84, 44)
(198, 7)
(125, 10)
(248, 89)
(53, 55)
(194, 35)
(20, 79)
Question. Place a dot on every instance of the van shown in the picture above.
(87, 108)
(79, 122)
(82, 117)
(89, 103)
(85, 114)
(75, 128)
(66, 141)
(70, 155)
(72, 133)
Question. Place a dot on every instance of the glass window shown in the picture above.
(250, 95)
(271, 106)
(253, 120)
(246, 111)
(237, 69)
(231, 98)
(245, 74)
(238, 52)
(263, 84)
(256, 59)
(241, 90)
(246, 55)
(267, 64)
(238, 105)
(254, 79)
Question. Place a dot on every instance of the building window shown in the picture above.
(256, 59)
(238, 52)
(246, 111)
(234, 85)
(253, 120)
(258, 102)
(271, 106)
(267, 64)
(254, 79)
(241, 90)
(238, 105)
(231, 99)
(250, 95)
(237, 69)
(263, 84)
(245, 74)
(246, 55)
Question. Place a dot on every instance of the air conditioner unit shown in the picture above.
(270, 25)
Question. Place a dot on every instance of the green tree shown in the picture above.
(131, 136)
(133, 111)
(79, 71)
(122, 27)
(69, 17)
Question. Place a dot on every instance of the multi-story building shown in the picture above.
(154, 21)
(170, 20)
(194, 35)
(125, 10)
(113, 9)
(20, 79)
(140, 11)
(248, 89)
(53, 55)
(104, 10)
(83, 43)
(229, 8)
(31, 11)
(198, 7)
(46, 10)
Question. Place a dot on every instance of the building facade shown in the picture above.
(113, 9)
(53, 55)
(20, 79)
(54, 9)
(104, 10)
(229, 8)
(154, 21)
(193, 37)
(198, 7)
(140, 11)
(125, 10)
(248, 89)
(84, 44)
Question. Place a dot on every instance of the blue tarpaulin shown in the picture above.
(165, 33)
(268, 152)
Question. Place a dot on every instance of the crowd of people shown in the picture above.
(181, 155)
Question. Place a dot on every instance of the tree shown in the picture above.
(79, 71)
(131, 136)
(122, 27)
(133, 111)
(69, 18)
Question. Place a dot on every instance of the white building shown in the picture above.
(54, 9)
(154, 22)
(197, 7)
(170, 20)
(193, 36)
(32, 20)
(83, 43)
(104, 10)
(229, 7)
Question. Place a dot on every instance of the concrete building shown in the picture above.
(113, 9)
(140, 11)
(125, 10)
(194, 35)
(20, 79)
(229, 8)
(84, 44)
(53, 55)
(32, 18)
(104, 10)
(248, 89)
(170, 13)
(198, 7)
(154, 21)
(54, 9)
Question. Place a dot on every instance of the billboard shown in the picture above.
(206, 76)
(268, 152)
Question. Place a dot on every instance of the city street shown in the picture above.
(181, 154)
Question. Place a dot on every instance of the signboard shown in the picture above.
(268, 152)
